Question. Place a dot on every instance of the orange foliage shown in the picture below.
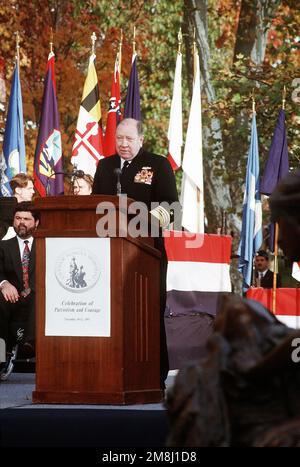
(72, 47)
(228, 12)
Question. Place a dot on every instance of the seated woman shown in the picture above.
(83, 185)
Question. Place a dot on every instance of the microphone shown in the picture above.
(78, 173)
(75, 174)
(117, 173)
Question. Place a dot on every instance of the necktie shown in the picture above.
(25, 268)
(125, 165)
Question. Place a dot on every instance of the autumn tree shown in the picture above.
(237, 55)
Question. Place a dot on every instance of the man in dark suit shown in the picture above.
(147, 178)
(263, 275)
(17, 281)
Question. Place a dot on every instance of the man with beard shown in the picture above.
(17, 282)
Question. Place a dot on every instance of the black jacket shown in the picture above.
(267, 281)
(11, 265)
(149, 178)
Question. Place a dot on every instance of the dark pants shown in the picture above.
(17, 321)
(164, 359)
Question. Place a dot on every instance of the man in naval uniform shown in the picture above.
(147, 178)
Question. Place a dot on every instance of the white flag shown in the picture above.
(88, 146)
(296, 271)
(192, 199)
(175, 124)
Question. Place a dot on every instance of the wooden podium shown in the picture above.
(125, 367)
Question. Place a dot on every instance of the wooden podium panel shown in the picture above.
(125, 367)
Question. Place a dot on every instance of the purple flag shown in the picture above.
(277, 165)
(132, 107)
(48, 154)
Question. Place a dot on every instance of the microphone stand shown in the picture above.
(118, 172)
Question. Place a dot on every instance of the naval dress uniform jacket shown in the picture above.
(158, 186)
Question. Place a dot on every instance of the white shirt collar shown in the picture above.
(123, 162)
(262, 273)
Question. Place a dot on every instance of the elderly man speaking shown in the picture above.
(147, 178)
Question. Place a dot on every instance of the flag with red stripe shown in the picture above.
(196, 276)
(198, 270)
(88, 146)
(114, 113)
(287, 303)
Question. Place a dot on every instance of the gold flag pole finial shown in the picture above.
(51, 40)
(253, 101)
(283, 97)
(93, 38)
(134, 42)
(179, 41)
(18, 45)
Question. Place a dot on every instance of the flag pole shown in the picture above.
(253, 101)
(194, 76)
(134, 42)
(253, 113)
(275, 269)
(120, 53)
(51, 40)
(179, 41)
(194, 55)
(18, 47)
(283, 97)
(93, 38)
(276, 236)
